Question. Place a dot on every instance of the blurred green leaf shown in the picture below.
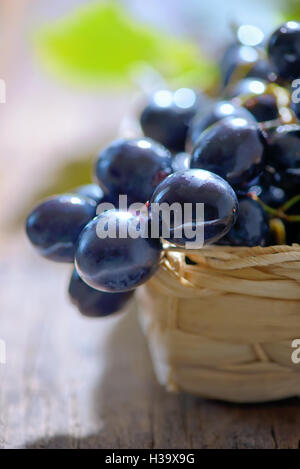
(291, 10)
(100, 42)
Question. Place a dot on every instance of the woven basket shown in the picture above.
(223, 328)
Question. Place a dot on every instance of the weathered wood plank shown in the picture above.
(70, 382)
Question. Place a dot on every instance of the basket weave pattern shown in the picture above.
(223, 328)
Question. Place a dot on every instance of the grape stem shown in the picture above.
(280, 212)
(290, 203)
(269, 125)
(278, 230)
(293, 218)
(273, 124)
(267, 208)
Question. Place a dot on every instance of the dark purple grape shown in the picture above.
(247, 86)
(244, 54)
(54, 225)
(233, 148)
(284, 157)
(269, 176)
(251, 228)
(133, 167)
(194, 186)
(264, 107)
(181, 161)
(284, 50)
(219, 111)
(93, 191)
(167, 116)
(283, 150)
(261, 104)
(237, 56)
(290, 181)
(94, 303)
(117, 262)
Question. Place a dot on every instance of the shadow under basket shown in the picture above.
(221, 325)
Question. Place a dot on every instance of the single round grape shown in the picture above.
(94, 303)
(284, 50)
(247, 86)
(237, 56)
(54, 225)
(195, 186)
(251, 228)
(109, 258)
(133, 168)
(283, 150)
(181, 161)
(233, 148)
(219, 111)
(93, 191)
(259, 98)
(290, 181)
(264, 107)
(167, 116)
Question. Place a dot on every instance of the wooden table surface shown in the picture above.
(71, 382)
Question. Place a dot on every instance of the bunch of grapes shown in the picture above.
(239, 155)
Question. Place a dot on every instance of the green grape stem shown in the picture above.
(281, 211)
(290, 203)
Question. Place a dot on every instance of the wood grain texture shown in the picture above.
(70, 382)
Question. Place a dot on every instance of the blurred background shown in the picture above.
(73, 70)
(53, 116)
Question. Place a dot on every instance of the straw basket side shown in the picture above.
(223, 328)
